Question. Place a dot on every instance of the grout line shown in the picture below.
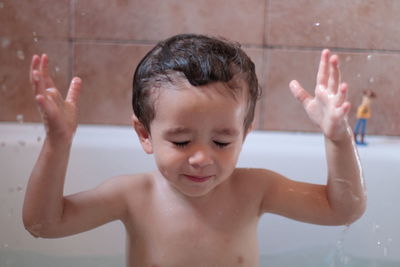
(79, 40)
(71, 47)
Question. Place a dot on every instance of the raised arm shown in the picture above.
(343, 199)
(46, 212)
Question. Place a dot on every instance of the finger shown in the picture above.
(44, 68)
(299, 93)
(37, 83)
(34, 66)
(46, 106)
(322, 75)
(55, 96)
(334, 74)
(342, 94)
(344, 109)
(74, 90)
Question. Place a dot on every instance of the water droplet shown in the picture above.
(59, 21)
(20, 118)
(57, 69)
(369, 57)
(327, 38)
(371, 80)
(19, 188)
(378, 243)
(34, 33)
(35, 39)
(5, 42)
(385, 251)
(317, 24)
(358, 75)
(39, 138)
(21, 143)
(348, 58)
(20, 54)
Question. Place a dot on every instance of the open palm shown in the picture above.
(328, 108)
(59, 116)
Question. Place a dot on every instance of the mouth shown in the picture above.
(198, 179)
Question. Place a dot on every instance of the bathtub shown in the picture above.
(100, 152)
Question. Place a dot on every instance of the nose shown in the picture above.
(200, 158)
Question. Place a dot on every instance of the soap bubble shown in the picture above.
(317, 24)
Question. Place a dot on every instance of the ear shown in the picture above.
(143, 134)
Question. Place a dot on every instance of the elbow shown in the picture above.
(38, 229)
(34, 229)
(351, 213)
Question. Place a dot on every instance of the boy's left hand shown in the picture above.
(328, 108)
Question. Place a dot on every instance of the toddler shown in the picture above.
(194, 98)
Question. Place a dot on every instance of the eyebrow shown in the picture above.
(177, 130)
(183, 130)
(226, 131)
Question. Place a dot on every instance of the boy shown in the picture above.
(193, 100)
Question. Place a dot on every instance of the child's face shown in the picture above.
(196, 135)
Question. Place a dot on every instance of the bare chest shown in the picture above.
(170, 234)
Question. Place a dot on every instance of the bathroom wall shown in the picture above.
(102, 41)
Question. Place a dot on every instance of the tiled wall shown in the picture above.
(102, 41)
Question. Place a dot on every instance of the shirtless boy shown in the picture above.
(193, 101)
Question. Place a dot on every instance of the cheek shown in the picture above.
(168, 160)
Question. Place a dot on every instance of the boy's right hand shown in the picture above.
(59, 116)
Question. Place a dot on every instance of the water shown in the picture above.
(311, 257)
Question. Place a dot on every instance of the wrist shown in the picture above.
(345, 136)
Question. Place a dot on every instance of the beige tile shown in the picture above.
(34, 19)
(257, 56)
(280, 109)
(361, 71)
(16, 96)
(369, 24)
(107, 72)
(238, 20)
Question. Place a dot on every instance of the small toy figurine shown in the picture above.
(363, 113)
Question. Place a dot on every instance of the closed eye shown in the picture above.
(221, 144)
(181, 144)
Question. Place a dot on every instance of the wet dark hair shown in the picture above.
(201, 60)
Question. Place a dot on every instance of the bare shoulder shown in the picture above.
(255, 184)
(256, 177)
(120, 191)
(131, 184)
